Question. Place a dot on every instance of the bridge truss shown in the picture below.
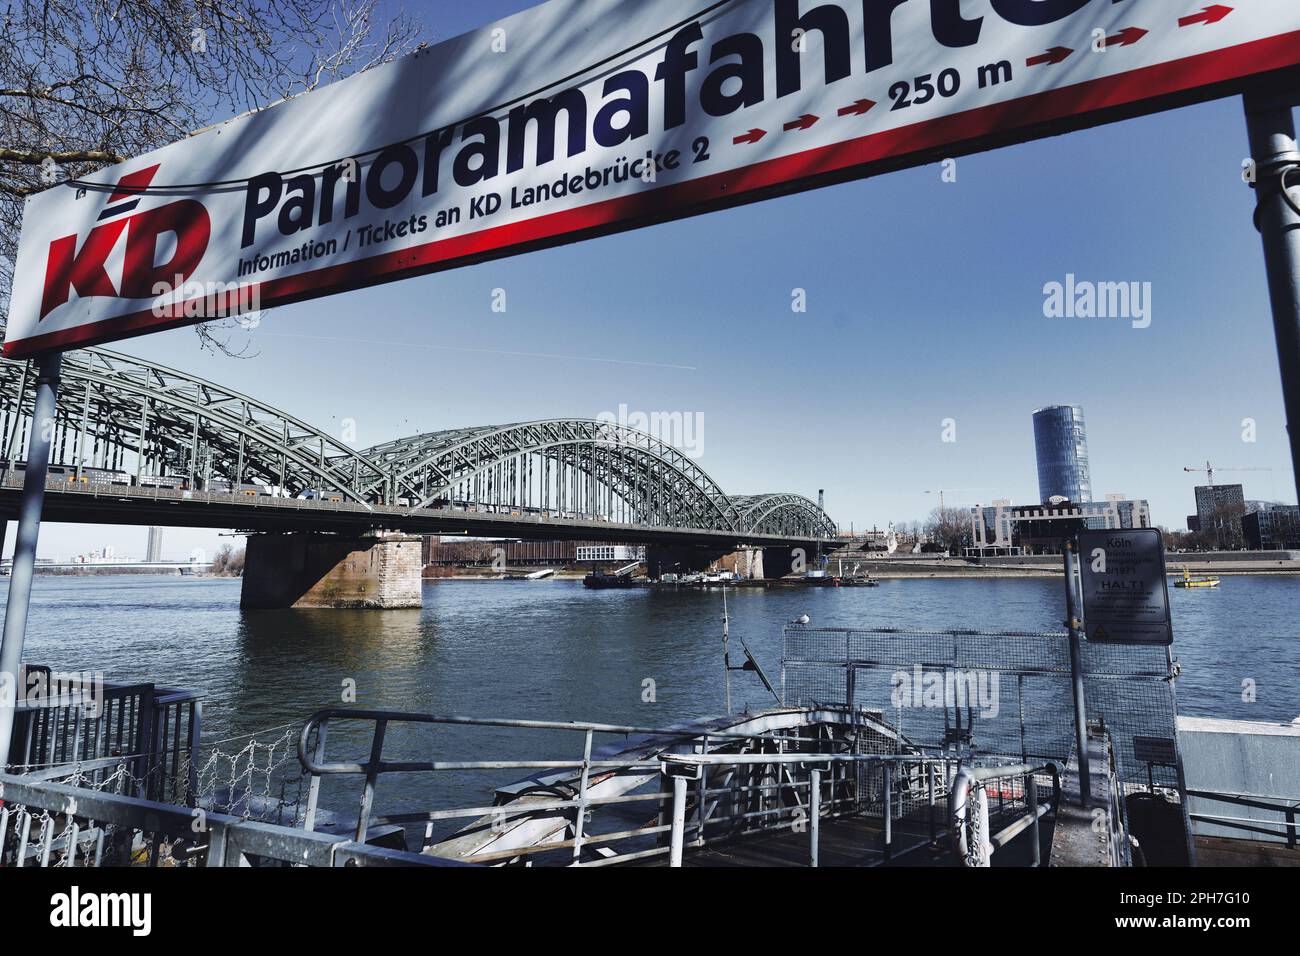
(124, 414)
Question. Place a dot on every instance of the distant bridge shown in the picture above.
(244, 464)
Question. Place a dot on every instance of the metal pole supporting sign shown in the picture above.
(29, 529)
(1076, 673)
(1275, 171)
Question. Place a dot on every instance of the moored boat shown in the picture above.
(1187, 581)
(602, 582)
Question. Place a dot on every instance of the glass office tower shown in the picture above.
(1061, 444)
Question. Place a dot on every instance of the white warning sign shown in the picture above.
(1125, 592)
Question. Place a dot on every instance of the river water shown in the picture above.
(555, 650)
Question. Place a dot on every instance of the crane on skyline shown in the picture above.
(1208, 470)
(944, 491)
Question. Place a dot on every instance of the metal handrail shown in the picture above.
(765, 791)
(386, 716)
(228, 838)
(962, 819)
(682, 768)
(314, 764)
(797, 758)
(158, 727)
(1286, 806)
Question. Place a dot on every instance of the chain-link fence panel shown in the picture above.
(1004, 693)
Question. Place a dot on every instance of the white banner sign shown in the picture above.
(584, 117)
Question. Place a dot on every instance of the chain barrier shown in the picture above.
(259, 781)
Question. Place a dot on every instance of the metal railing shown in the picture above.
(1005, 692)
(75, 827)
(155, 730)
(620, 775)
(1281, 805)
(703, 787)
(974, 841)
(682, 769)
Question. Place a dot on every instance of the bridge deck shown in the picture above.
(120, 504)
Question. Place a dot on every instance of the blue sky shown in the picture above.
(925, 302)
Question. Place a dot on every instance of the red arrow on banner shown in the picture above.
(1207, 16)
(1126, 37)
(753, 136)
(860, 108)
(803, 122)
(1055, 55)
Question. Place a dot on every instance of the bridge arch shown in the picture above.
(121, 413)
(574, 466)
(117, 412)
(782, 514)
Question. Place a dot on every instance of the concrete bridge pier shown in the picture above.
(746, 564)
(379, 571)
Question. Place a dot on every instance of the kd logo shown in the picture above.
(84, 269)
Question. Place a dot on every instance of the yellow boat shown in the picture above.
(1190, 582)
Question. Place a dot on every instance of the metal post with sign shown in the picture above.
(1125, 590)
(1076, 672)
(1275, 161)
(29, 529)
(1125, 598)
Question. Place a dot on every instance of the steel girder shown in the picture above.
(120, 412)
(124, 413)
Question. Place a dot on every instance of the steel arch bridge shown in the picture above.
(124, 414)
(120, 413)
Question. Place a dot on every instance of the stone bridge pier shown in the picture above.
(378, 571)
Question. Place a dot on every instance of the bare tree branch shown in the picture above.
(59, 156)
(87, 83)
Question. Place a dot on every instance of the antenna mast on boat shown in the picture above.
(751, 662)
(726, 651)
